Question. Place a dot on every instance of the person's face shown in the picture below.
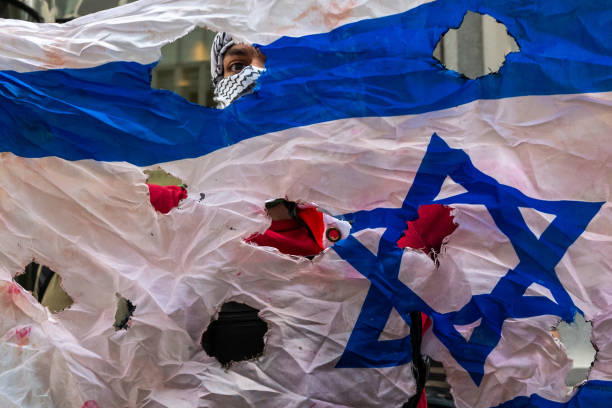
(240, 56)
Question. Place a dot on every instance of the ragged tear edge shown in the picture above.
(215, 316)
(293, 258)
(268, 224)
(553, 332)
(49, 313)
(159, 168)
(159, 171)
(515, 45)
(237, 38)
(127, 321)
(436, 257)
(160, 56)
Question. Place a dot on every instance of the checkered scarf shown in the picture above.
(221, 43)
(228, 89)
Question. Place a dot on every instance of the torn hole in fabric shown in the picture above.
(123, 314)
(478, 47)
(165, 190)
(237, 334)
(575, 339)
(428, 233)
(299, 229)
(184, 67)
(208, 68)
(45, 286)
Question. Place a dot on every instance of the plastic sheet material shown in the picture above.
(522, 161)
(137, 31)
(121, 244)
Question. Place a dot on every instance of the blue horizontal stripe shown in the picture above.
(592, 394)
(379, 67)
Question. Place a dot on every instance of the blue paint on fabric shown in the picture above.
(378, 67)
(537, 260)
(592, 394)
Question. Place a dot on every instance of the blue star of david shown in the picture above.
(537, 260)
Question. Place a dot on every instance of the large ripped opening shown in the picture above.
(575, 337)
(46, 287)
(184, 67)
(209, 69)
(477, 48)
(299, 229)
(236, 335)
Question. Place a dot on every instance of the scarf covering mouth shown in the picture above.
(230, 88)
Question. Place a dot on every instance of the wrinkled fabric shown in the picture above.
(369, 130)
(258, 21)
(213, 230)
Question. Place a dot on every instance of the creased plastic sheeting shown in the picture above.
(596, 391)
(137, 31)
(591, 394)
(34, 370)
(126, 120)
(101, 234)
(381, 157)
(93, 224)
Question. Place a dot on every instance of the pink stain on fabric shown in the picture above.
(90, 404)
(23, 333)
(13, 289)
(23, 336)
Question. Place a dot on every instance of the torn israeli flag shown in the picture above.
(354, 114)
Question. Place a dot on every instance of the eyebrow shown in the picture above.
(245, 52)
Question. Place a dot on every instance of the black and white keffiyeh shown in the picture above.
(220, 45)
(230, 88)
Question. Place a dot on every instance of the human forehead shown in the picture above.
(246, 50)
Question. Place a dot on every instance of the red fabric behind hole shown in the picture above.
(427, 233)
(426, 322)
(314, 220)
(423, 400)
(429, 230)
(293, 237)
(165, 198)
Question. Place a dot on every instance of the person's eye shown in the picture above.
(237, 67)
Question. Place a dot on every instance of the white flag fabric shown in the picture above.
(353, 114)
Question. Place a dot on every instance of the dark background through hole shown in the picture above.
(237, 334)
